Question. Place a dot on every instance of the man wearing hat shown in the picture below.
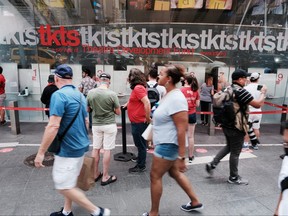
(47, 93)
(254, 119)
(64, 106)
(104, 104)
(235, 136)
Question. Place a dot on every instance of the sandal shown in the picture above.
(98, 177)
(109, 181)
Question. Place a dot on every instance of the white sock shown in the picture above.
(96, 212)
(66, 212)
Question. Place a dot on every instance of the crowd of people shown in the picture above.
(174, 115)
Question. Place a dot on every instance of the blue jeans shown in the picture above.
(167, 151)
(140, 142)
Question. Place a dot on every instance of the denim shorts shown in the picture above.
(192, 118)
(167, 151)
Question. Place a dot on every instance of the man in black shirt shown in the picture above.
(235, 136)
(47, 93)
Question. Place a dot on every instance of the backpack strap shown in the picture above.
(156, 84)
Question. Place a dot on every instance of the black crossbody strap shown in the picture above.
(70, 124)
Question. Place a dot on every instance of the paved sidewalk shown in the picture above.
(29, 191)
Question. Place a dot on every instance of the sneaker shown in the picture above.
(237, 180)
(104, 212)
(209, 168)
(3, 123)
(137, 169)
(134, 159)
(254, 147)
(282, 156)
(145, 214)
(245, 145)
(59, 213)
(188, 207)
(191, 159)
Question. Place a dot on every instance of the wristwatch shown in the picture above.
(181, 158)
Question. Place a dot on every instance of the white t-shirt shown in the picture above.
(252, 89)
(283, 207)
(164, 129)
(160, 89)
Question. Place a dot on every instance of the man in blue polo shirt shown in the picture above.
(68, 162)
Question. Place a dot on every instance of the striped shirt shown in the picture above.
(242, 99)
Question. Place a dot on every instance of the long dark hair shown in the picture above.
(136, 77)
(175, 72)
(192, 81)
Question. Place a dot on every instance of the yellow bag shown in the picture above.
(86, 177)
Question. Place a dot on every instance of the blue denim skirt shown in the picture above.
(167, 151)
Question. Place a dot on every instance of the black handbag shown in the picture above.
(56, 143)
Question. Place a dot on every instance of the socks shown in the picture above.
(66, 212)
(96, 212)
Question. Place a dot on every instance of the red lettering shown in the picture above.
(73, 37)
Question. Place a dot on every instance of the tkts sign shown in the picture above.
(177, 37)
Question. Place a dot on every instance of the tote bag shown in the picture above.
(148, 133)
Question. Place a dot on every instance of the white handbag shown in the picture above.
(148, 133)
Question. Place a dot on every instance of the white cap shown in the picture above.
(254, 76)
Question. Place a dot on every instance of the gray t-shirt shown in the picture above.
(205, 93)
(164, 129)
(103, 102)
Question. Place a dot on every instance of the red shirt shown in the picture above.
(2, 84)
(191, 97)
(135, 108)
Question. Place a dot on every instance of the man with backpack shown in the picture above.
(236, 131)
(155, 92)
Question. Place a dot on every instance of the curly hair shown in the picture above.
(136, 77)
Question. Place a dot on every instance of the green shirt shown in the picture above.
(103, 102)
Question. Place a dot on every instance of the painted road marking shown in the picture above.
(207, 159)
(5, 145)
(5, 150)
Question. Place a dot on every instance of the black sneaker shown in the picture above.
(254, 147)
(134, 159)
(237, 180)
(104, 212)
(3, 123)
(209, 168)
(282, 156)
(137, 169)
(59, 213)
(191, 159)
(188, 207)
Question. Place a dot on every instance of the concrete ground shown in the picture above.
(29, 191)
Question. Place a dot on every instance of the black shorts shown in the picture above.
(192, 118)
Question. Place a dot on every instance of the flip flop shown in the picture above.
(99, 177)
(109, 181)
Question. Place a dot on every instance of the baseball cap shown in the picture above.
(64, 71)
(239, 73)
(254, 76)
(51, 79)
(105, 75)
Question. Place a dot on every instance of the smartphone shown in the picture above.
(259, 87)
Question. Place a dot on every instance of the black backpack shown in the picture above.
(223, 108)
(153, 94)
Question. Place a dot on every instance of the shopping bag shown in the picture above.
(148, 133)
(86, 177)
